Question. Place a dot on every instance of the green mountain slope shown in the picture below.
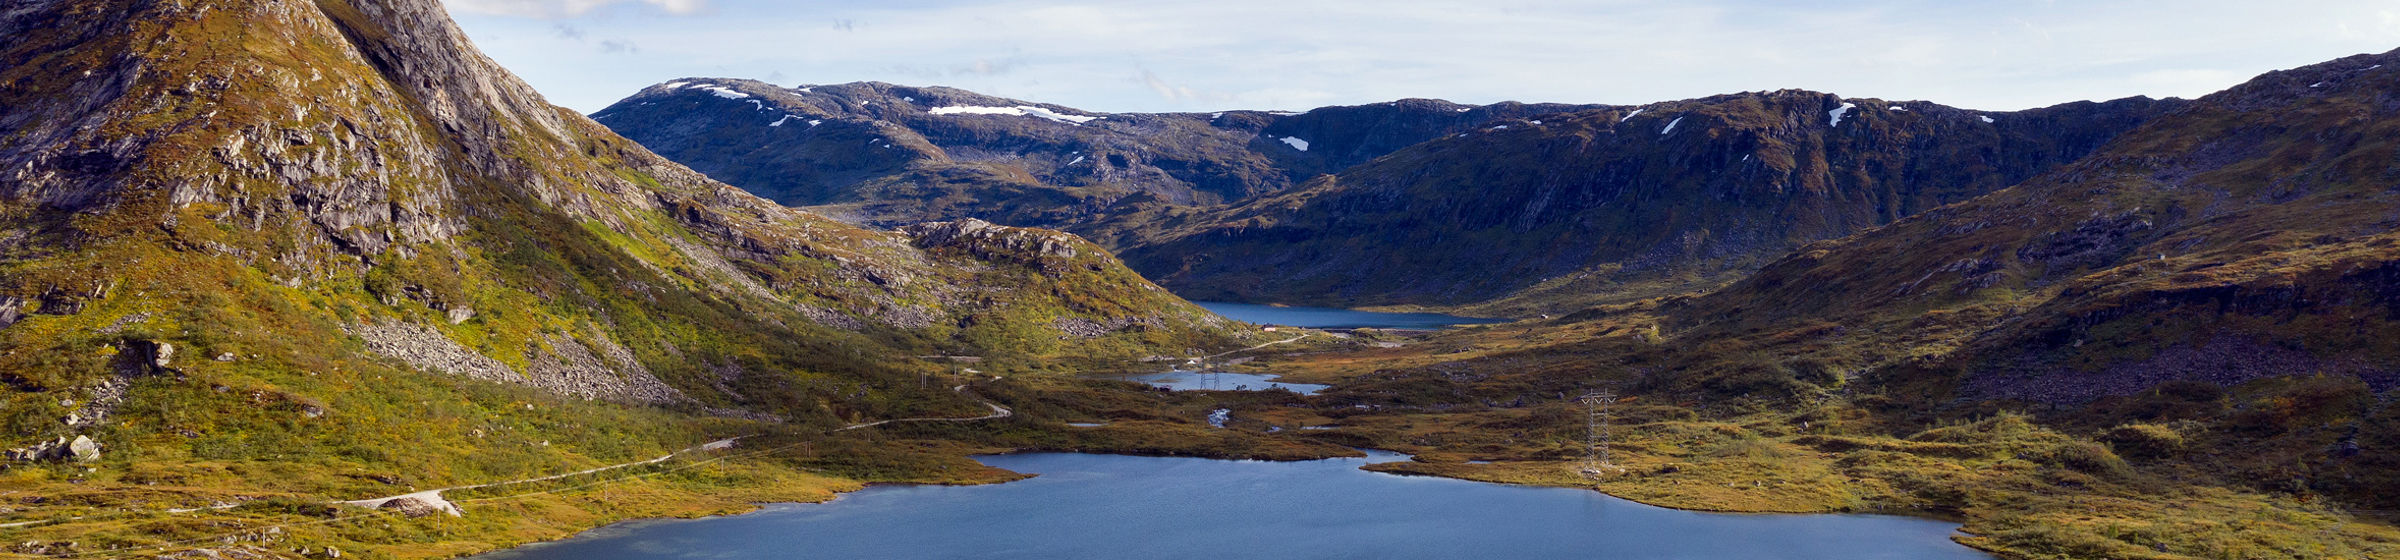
(1598, 206)
(299, 250)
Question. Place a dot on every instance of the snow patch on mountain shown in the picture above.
(1837, 112)
(1020, 110)
(725, 92)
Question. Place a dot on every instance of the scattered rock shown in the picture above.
(82, 449)
(137, 357)
(460, 314)
(567, 366)
(427, 349)
(119, 325)
(1087, 328)
(63, 301)
(225, 357)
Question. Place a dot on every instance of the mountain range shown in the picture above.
(1508, 209)
(2124, 296)
(329, 240)
(262, 258)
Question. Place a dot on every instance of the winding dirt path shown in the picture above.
(1303, 334)
(433, 498)
(997, 413)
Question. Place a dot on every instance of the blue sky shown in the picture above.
(1296, 54)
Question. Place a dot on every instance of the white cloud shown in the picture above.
(566, 8)
(1166, 90)
(1111, 55)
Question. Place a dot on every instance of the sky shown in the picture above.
(1154, 56)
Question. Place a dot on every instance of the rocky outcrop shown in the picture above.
(987, 241)
(135, 359)
(80, 449)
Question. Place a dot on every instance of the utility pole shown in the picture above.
(1596, 460)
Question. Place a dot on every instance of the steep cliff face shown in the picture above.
(288, 189)
(887, 154)
(1570, 210)
(2259, 217)
(2230, 269)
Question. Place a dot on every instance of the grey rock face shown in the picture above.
(989, 241)
(566, 367)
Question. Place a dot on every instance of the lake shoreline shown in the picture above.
(1355, 453)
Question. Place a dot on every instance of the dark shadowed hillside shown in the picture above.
(882, 153)
(1611, 205)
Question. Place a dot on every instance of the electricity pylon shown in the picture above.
(1596, 462)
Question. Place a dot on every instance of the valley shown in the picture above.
(318, 279)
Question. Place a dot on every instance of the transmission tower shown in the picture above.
(1596, 461)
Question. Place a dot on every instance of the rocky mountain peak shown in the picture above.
(364, 153)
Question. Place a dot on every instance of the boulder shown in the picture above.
(420, 506)
(83, 450)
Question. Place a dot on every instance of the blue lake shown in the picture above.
(1214, 381)
(1330, 318)
(1117, 507)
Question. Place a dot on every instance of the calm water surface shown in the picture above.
(1215, 381)
(1330, 318)
(1118, 507)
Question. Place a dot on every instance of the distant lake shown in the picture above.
(1115, 507)
(1214, 381)
(1330, 318)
